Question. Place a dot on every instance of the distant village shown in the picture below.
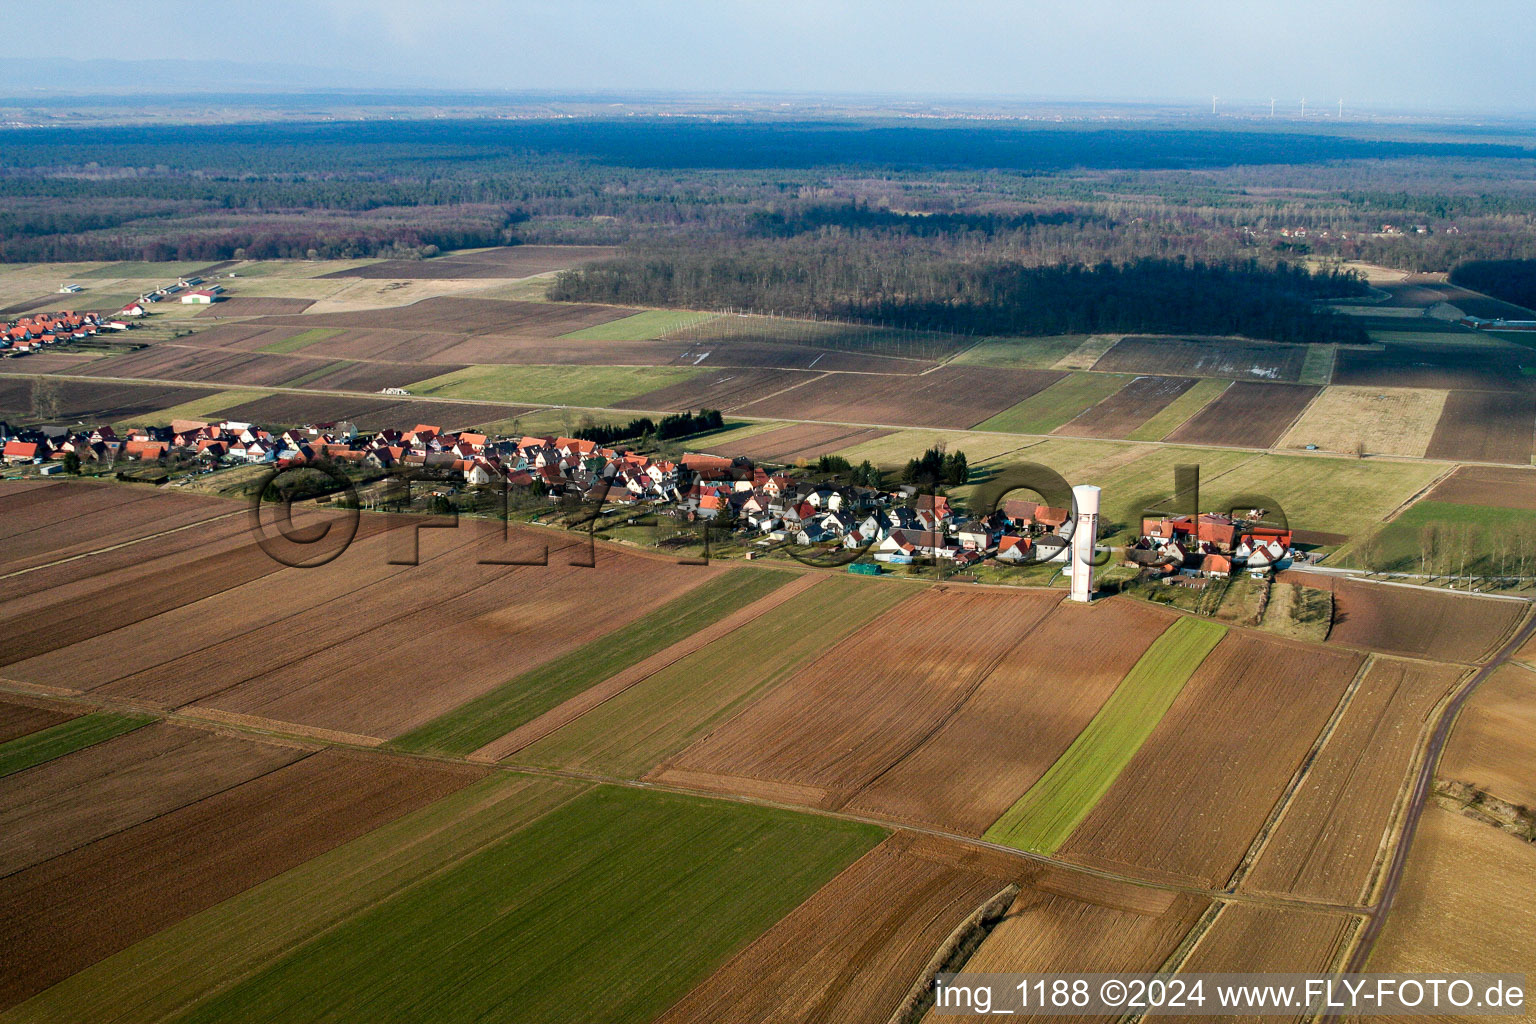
(36, 331)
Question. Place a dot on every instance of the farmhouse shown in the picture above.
(1209, 544)
(202, 297)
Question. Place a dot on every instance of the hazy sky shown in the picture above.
(1476, 54)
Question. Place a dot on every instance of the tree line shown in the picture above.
(683, 424)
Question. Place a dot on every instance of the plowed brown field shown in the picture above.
(1247, 415)
(1250, 939)
(508, 262)
(1023, 715)
(367, 413)
(1485, 426)
(951, 396)
(459, 315)
(852, 951)
(856, 711)
(1420, 623)
(62, 915)
(719, 389)
(17, 719)
(1488, 485)
(425, 638)
(1334, 830)
(103, 402)
(1493, 746)
(1237, 358)
(1192, 800)
(76, 799)
(253, 305)
(802, 441)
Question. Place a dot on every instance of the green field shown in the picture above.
(301, 340)
(630, 733)
(608, 908)
(1173, 415)
(594, 386)
(1317, 368)
(525, 697)
(1030, 353)
(1430, 537)
(163, 273)
(170, 971)
(1044, 817)
(653, 323)
(1062, 401)
(46, 744)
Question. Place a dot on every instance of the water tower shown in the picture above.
(1085, 534)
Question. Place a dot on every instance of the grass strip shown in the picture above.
(46, 744)
(1063, 401)
(1044, 817)
(653, 323)
(524, 697)
(300, 340)
(635, 730)
(1175, 413)
(609, 908)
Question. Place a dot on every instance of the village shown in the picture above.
(766, 508)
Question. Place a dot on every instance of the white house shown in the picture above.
(198, 298)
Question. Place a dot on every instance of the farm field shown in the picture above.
(207, 407)
(1494, 743)
(1488, 485)
(121, 780)
(894, 449)
(788, 444)
(19, 719)
(527, 696)
(1022, 353)
(74, 909)
(1255, 704)
(1178, 411)
(44, 523)
(553, 385)
(1451, 364)
(658, 715)
(103, 401)
(653, 323)
(1463, 903)
(1073, 783)
(335, 632)
(851, 951)
(1374, 421)
(254, 305)
(683, 884)
(1027, 711)
(1247, 415)
(1095, 925)
(287, 408)
(951, 396)
(1247, 938)
(730, 390)
(508, 262)
(1420, 623)
(853, 713)
(825, 335)
(1236, 358)
(39, 747)
(169, 971)
(1485, 426)
(1327, 845)
(459, 314)
(1129, 408)
(1438, 536)
(1044, 412)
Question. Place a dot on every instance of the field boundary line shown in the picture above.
(1299, 777)
(573, 708)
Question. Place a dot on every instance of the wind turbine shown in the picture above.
(1303, 108)
(1271, 106)
(1341, 108)
(1213, 105)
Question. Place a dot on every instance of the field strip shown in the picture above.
(124, 544)
(46, 744)
(276, 725)
(590, 698)
(573, 775)
(529, 694)
(1277, 813)
(1046, 815)
(160, 976)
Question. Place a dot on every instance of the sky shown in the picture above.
(1409, 54)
